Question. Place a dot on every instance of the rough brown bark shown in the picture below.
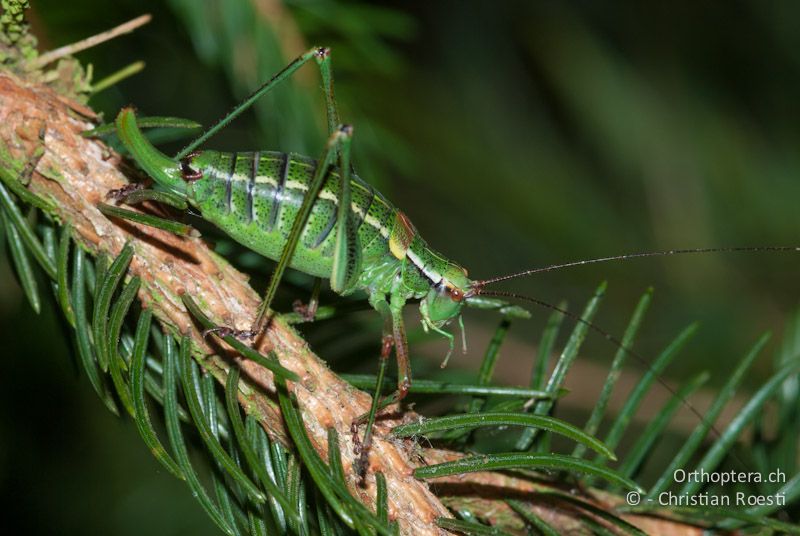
(72, 174)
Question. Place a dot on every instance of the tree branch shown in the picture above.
(40, 139)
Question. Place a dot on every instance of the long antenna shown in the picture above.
(481, 283)
(616, 342)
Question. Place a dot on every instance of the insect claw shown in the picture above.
(402, 390)
(118, 194)
(356, 441)
(307, 311)
(222, 332)
(444, 362)
(360, 451)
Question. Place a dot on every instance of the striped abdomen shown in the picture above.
(255, 196)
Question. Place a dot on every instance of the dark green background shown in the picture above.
(514, 134)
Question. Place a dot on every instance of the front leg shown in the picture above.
(393, 335)
(395, 331)
(361, 449)
(400, 346)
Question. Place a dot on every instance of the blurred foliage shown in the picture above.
(514, 134)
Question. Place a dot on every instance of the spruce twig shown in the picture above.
(89, 42)
(73, 174)
(47, 161)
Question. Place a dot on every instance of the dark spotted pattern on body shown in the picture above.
(255, 197)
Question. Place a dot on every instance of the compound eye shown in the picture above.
(456, 294)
